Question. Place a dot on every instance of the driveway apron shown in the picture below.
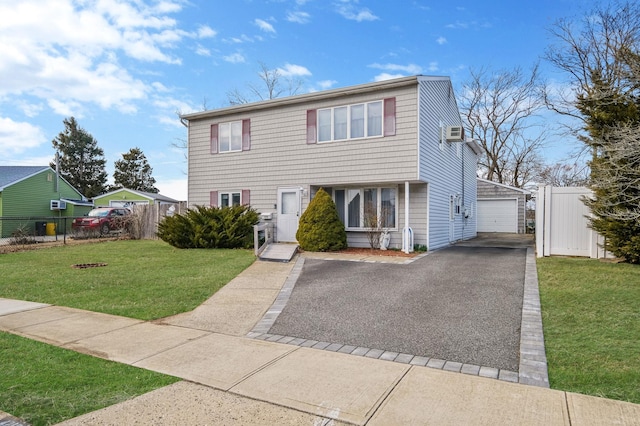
(461, 304)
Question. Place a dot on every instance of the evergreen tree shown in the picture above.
(134, 172)
(320, 228)
(613, 123)
(81, 161)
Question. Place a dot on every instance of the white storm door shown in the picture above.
(288, 214)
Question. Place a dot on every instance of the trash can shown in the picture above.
(51, 229)
(41, 228)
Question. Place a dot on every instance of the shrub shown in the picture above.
(21, 236)
(210, 227)
(320, 228)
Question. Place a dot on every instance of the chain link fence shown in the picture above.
(141, 224)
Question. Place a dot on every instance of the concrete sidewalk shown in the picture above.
(231, 379)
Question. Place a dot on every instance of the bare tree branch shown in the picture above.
(272, 85)
(501, 110)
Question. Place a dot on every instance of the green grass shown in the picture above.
(44, 384)
(146, 280)
(143, 279)
(591, 319)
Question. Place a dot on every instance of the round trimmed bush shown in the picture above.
(320, 228)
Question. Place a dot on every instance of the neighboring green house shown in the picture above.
(124, 197)
(31, 196)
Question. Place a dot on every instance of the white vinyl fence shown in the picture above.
(562, 226)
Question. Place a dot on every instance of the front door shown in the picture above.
(289, 206)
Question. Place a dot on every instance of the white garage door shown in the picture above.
(498, 215)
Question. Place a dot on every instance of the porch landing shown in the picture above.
(279, 252)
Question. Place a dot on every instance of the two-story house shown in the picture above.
(394, 146)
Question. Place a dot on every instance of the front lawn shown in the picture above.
(45, 385)
(142, 279)
(591, 319)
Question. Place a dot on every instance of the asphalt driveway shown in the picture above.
(462, 304)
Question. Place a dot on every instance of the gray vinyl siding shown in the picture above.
(489, 190)
(442, 168)
(281, 157)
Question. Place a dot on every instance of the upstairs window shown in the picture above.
(350, 122)
(356, 121)
(232, 136)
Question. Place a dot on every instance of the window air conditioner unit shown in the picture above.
(455, 133)
(58, 205)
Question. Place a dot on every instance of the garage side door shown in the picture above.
(498, 215)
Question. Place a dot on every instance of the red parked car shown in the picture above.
(102, 219)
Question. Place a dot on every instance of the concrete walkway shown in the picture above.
(232, 379)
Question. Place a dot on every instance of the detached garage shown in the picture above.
(501, 208)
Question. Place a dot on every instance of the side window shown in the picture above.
(232, 136)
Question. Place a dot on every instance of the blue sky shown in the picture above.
(124, 67)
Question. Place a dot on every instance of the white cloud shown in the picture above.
(206, 32)
(349, 10)
(68, 108)
(409, 69)
(441, 40)
(298, 17)
(159, 87)
(202, 51)
(29, 109)
(291, 70)
(387, 76)
(264, 26)
(66, 53)
(18, 137)
(235, 58)
(458, 25)
(326, 84)
(433, 66)
(238, 40)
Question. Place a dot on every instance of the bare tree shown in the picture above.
(375, 223)
(593, 46)
(272, 85)
(500, 110)
(597, 46)
(563, 174)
